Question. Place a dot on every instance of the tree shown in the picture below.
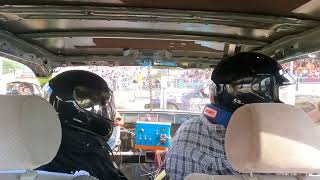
(10, 66)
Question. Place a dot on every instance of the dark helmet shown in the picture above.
(83, 101)
(248, 78)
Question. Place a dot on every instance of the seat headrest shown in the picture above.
(272, 138)
(30, 132)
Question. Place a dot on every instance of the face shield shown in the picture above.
(254, 89)
(287, 90)
(262, 88)
(97, 102)
(258, 89)
(284, 78)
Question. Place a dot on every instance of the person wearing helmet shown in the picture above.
(198, 145)
(86, 109)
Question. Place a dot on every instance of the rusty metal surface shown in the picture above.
(283, 7)
(101, 35)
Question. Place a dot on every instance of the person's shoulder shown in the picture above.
(201, 123)
(194, 120)
(192, 123)
(191, 128)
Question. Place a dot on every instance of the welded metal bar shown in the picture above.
(142, 35)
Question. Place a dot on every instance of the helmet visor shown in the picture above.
(98, 102)
(256, 89)
(284, 78)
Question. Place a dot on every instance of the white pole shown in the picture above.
(163, 92)
(3, 89)
(291, 67)
(1, 62)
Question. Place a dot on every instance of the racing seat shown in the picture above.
(270, 141)
(30, 137)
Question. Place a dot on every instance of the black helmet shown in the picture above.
(83, 101)
(248, 78)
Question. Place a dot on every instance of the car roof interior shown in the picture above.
(190, 34)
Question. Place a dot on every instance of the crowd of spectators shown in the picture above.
(124, 77)
(198, 74)
(307, 69)
(119, 77)
(193, 78)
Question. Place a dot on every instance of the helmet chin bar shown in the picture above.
(89, 113)
(73, 116)
(259, 89)
(97, 102)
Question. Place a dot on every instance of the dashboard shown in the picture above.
(176, 118)
(167, 116)
(133, 119)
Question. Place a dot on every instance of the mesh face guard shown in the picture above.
(262, 88)
(98, 102)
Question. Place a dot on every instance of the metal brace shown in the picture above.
(250, 176)
(29, 175)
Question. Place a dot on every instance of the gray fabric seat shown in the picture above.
(267, 139)
(30, 137)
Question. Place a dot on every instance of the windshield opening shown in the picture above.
(154, 89)
(305, 92)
